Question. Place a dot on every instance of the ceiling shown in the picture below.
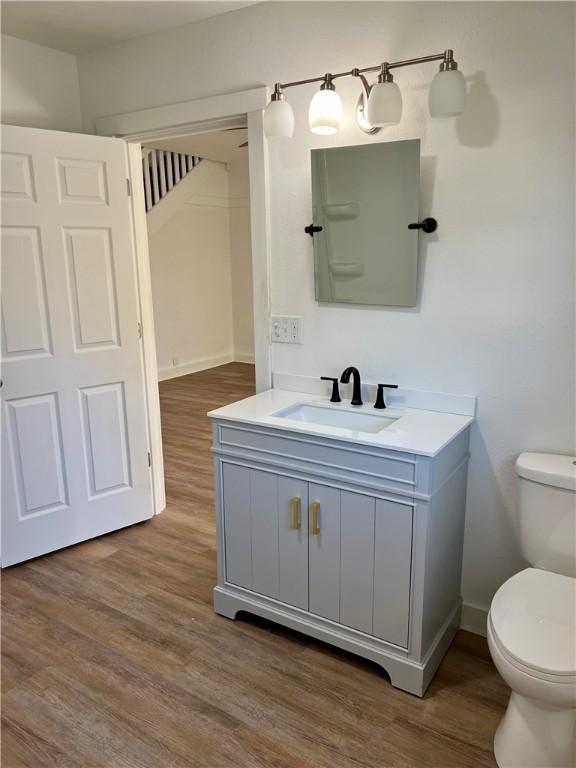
(80, 26)
(223, 146)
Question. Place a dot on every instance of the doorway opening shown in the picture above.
(197, 193)
(197, 198)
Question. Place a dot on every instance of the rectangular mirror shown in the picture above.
(364, 197)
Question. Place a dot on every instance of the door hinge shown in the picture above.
(149, 459)
(128, 187)
(139, 330)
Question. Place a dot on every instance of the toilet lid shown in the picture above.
(548, 468)
(534, 617)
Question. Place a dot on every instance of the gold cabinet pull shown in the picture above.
(296, 522)
(314, 525)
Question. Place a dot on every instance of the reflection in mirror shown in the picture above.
(364, 197)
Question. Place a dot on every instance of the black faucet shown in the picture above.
(345, 378)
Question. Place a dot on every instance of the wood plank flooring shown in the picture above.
(113, 657)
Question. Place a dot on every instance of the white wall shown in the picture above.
(496, 313)
(201, 272)
(39, 86)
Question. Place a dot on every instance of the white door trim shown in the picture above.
(183, 113)
(183, 118)
(150, 364)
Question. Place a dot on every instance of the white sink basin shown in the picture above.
(344, 418)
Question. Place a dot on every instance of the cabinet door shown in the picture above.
(293, 541)
(350, 561)
(324, 552)
(264, 551)
(237, 524)
(357, 560)
(360, 562)
(392, 568)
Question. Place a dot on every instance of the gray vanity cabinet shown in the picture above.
(353, 544)
(341, 555)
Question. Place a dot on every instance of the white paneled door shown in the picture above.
(74, 422)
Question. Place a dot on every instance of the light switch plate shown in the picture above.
(285, 329)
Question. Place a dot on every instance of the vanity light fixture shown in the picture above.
(447, 96)
(279, 116)
(384, 101)
(379, 104)
(325, 112)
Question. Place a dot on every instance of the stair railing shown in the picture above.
(162, 171)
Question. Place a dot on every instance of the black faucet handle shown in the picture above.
(380, 401)
(335, 390)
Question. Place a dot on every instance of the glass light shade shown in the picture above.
(325, 113)
(384, 104)
(447, 96)
(279, 120)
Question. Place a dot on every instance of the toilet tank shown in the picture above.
(547, 511)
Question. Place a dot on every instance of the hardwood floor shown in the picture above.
(113, 657)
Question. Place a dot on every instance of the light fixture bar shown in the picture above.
(301, 82)
(447, 56)
(422, 60)
(379, 105)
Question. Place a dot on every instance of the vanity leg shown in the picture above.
(406, 679)
(224, 605)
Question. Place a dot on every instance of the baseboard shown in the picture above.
(193, 366)
(244, 357)
(474, 619)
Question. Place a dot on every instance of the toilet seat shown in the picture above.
(533, 620)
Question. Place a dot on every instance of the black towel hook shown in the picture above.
(426, 225)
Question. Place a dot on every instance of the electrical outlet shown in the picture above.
(295, 330)
(286, 330)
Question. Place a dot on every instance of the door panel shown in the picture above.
(24, 308)
(357, 560)
(324, 553)
(264, 523)
(106, 442)
(293, 542)
(17, 179)
(92, 286)
(392, 568)
(35, 441)
(82, 181)
(74, 437)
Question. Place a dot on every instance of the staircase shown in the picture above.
(162, 171)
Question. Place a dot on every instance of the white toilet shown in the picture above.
(532, 621)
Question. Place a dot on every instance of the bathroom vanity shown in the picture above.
(344, 523)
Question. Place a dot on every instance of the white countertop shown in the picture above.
(415, 431)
